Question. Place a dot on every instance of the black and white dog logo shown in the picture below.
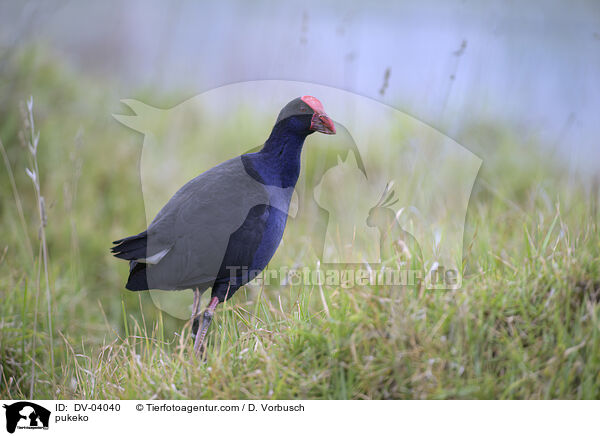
(26, 415)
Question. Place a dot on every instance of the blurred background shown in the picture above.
(533, 66)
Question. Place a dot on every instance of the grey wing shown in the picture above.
(188, 238)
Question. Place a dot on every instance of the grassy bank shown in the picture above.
(524, 325)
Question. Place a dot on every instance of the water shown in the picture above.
(533, 67)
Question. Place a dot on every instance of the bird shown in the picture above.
(221, 229)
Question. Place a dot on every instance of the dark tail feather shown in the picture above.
(138, 280)
(131, 248)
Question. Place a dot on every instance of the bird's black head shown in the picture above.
(306, 115)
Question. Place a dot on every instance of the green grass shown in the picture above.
(525, 324)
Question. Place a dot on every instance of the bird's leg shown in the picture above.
(207, 317)
(195, 311)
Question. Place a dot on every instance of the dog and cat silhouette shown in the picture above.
(26, 414)
(358, 232)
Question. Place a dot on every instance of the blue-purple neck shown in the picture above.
(278, 162)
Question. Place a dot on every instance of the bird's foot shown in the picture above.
(207, 317)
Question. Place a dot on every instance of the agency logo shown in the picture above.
(24, 415)
(380, 203)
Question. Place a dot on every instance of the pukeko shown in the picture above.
(221, 228)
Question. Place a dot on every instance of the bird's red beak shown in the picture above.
(322, 123)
